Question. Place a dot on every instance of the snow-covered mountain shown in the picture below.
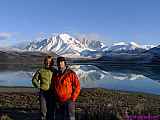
(147, 47)
(151, 56)
(131, 47)
(65, 44)
(69, 46)
(10, 49)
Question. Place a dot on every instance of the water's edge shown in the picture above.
(24, 89)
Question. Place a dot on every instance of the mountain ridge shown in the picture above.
(66, 45)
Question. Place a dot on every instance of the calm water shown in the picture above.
(141, 79)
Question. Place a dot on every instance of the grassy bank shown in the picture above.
(93, 104)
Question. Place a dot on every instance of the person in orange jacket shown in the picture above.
(66, 87)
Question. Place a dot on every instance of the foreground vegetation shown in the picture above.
(92, 104)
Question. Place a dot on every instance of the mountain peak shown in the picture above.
(135, 44)
(125, 47)
(65, 36)
(119, 43)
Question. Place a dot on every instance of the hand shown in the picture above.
(71, 105)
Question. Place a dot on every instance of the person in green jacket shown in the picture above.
(42, 80)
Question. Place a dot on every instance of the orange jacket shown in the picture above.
(66, 86)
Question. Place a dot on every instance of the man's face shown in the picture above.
(61, 64)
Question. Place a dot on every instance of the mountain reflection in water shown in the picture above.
(133, 78)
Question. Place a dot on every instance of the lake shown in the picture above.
(125, 78)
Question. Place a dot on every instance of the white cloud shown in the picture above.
(5, 35)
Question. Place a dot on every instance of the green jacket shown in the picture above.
(42, 78)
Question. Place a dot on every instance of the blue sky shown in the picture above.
(111, 20)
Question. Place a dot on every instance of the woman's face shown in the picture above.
(49, 62)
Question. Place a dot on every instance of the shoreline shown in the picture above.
(28, 89)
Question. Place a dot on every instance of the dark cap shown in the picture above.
(60, 59)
